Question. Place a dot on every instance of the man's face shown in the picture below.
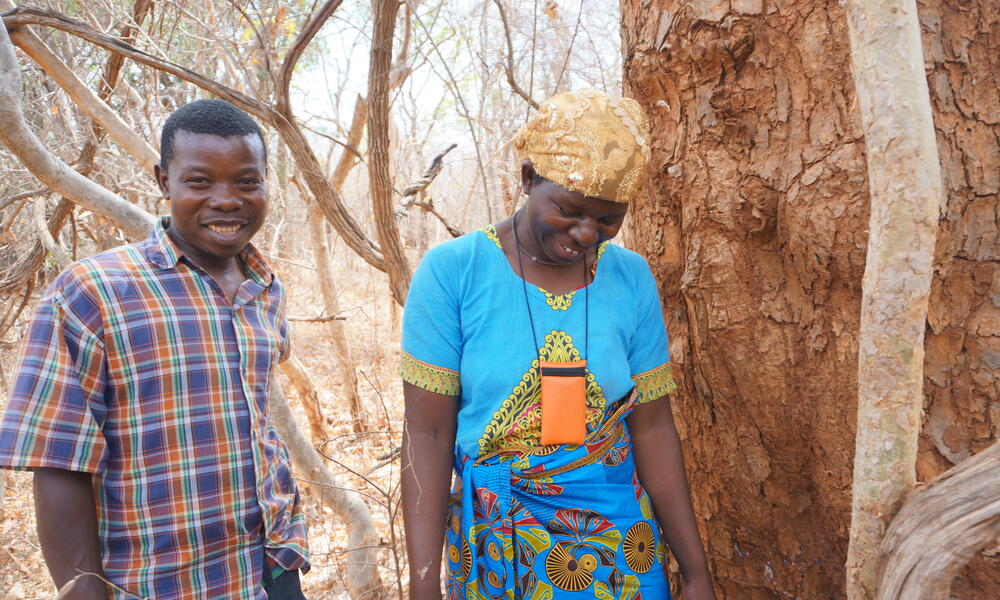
(217, 191)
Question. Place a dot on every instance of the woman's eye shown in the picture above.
(196, 180)
(249, 182)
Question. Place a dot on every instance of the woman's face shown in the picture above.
(565, 225)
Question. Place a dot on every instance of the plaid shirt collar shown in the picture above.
(164, 253)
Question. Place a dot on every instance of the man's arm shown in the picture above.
(67, 530)
(428, 446)
(659, 463)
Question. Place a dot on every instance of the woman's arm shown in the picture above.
(659, 463)
(428, 446)
(67, 531)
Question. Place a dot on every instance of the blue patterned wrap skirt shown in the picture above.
(555, 522)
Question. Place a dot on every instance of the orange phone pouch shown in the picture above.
(564, 402)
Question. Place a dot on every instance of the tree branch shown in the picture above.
(42, 228)
(327, 197)
(379, 175)
(940, 528)
(307, 34)
(53, 172)
(412, 192)
(23, 15)
(508, 66)
(89, 102)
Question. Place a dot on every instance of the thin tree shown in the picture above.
(905, 187)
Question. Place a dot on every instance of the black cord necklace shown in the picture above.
(527, 304)
(535, 258)
(529, 254)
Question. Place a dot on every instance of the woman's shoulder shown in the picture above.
(468, 251)
(460, 247)
(629, 260)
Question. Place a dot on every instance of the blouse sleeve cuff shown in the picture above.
(654, 383)
(429, 377)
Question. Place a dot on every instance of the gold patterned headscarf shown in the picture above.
(588, 143)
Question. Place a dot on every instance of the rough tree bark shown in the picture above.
(905, 198)
(379, 174)
(756, 227)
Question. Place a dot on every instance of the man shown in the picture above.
(140, 401)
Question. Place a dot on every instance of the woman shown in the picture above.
(487, 311)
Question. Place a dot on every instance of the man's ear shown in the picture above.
(527, 175)
(160, 174)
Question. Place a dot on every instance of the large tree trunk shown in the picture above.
(756, 227)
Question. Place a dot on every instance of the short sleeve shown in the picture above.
(649, 356)
(57, 399)
(432, 333)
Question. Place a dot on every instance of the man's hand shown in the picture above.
(67, 530)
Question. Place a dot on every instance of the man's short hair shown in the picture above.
(215, 117)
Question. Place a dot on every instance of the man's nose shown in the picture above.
(224, 198)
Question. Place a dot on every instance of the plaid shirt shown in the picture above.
(137, 369)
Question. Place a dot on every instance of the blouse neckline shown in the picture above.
(554, 301)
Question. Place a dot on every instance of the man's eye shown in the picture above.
(196, 180)
(249, 182)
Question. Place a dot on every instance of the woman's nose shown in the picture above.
(585, 233)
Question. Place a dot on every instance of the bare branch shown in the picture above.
(50, 243)
(299, 45)
(22, 15)
(326, 319)
(429, 175)
(18, 197)
(940, 528)
(415, 190)
(327, 197)
(508, 66)
(140, 9)
(52, 171)
(89, 102)
(347, 159)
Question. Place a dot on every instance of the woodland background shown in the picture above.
(755, 223)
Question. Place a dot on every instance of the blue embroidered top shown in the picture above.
(466, 333)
